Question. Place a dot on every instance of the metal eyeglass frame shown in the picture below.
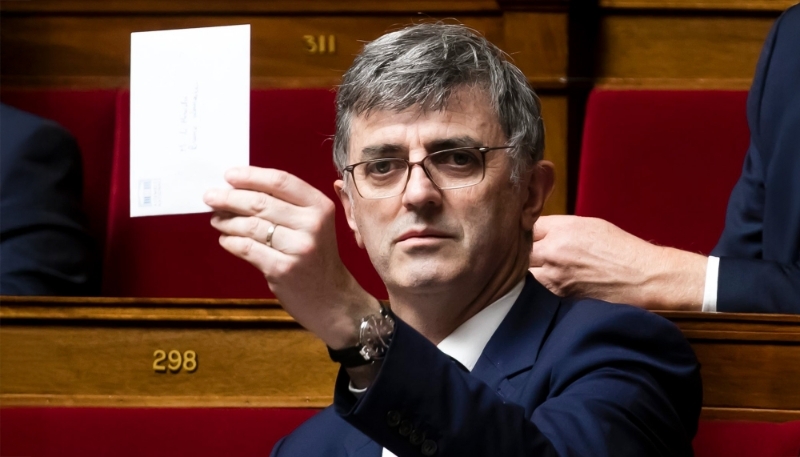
(421, 163)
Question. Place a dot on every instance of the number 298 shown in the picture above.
(174, 361)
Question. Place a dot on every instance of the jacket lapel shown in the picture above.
(515, 345)
(513, 348)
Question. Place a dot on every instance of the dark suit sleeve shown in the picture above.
(44, 246)
(747, 281)
(609, 393)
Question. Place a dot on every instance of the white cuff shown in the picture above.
(710, 289)
(355, 391)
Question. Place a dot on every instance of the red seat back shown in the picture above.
(747, 439)
(89, 116)
(661, 164)
(134, 432)
(179, 256)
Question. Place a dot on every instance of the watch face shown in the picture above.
(376, 333)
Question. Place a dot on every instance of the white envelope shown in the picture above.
(190, 115)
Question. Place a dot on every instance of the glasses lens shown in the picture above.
(380, 178)
(455, 167)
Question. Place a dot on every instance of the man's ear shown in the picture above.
(539, 186)
(347, 204)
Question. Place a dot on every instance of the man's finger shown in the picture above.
(281, 238)
(256, 228)
(250, 203)
(277, 183)
(269, 261)
(536, 260)
(542, 227)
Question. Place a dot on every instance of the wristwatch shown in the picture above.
(374, 335)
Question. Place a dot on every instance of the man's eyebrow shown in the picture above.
(380, 150)
(390, 149)
(451, 143)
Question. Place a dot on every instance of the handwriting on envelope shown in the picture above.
(190, 115)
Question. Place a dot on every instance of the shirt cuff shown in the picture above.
(355, 391)
(710, 289)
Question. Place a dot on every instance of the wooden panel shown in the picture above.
(750, 364)
(554, 112)
(93, 48)
(726, 5)
(538, 45)
(279, 6)
(680, 51)
(100, 352)
(251, 355)
(249, 6)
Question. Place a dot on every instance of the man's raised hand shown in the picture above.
(285, 227)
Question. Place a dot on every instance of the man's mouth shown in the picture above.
(422, 236)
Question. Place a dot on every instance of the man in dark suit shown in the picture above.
(755, 266)
(439, 141)
(44, 246)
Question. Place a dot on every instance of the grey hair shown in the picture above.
(422, 65)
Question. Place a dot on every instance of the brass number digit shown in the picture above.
(174, 360)
(322, 44)
(189, 361)
(331, 44)
(311, 43)
(160, 356)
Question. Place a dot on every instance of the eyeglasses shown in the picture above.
(447, 169)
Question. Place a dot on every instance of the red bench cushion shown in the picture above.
(65, 432)
(747, 439)
(134, 432)
(661, 164)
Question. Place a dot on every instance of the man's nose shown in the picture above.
(420, 190)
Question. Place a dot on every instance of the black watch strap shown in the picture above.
(374, 335)
(349, 357)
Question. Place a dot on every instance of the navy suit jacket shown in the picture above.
(44, 246)
(559, 377)
(759, 249)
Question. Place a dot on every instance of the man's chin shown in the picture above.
(421, 275)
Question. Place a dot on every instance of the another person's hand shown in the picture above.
(589, 257)
(285, 227)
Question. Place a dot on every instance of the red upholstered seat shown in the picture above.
(89, 116)
(747, 439)
(179, 256)
(152, 432)
(661, 164)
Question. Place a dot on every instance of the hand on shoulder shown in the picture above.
(590, 257)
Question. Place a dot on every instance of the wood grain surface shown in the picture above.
(99, 352)
(723, 5)
(255, 6)
(554, 112)
(678, 51)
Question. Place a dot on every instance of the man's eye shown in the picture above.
(383, 167)
(461, 158)
(457, 158)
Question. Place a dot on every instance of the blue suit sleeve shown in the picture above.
(603, 392)
(758, 269)
(45, 247)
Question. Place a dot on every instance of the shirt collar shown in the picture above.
(466, 343)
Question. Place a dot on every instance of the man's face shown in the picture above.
(430, 238)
